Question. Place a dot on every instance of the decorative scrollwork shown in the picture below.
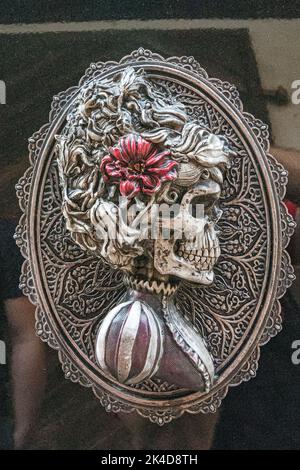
(76, 290)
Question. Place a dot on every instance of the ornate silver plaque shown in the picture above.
(154, 236)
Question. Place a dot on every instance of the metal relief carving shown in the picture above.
(157, 236)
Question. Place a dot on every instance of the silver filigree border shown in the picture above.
(273, 326)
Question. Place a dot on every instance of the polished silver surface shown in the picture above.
(159, 317)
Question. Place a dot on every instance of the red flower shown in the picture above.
(137, 166)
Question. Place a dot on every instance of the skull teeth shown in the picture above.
(203, 258)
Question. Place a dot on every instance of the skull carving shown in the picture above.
(193, 256)
(121, 228)
(126, 151)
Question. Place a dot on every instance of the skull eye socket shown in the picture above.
(200, 205)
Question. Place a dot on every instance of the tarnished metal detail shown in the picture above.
(204, 148)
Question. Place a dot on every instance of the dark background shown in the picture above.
(24, 11)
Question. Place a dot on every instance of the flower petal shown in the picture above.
(144, 148)
(112, 170)
(106, 159)
(170, 176)
(132, 146)
(156, 157)
(120, 156)
(129, 188)
(150, 183)
(104, 162)
(164, 169)
(124, 149)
